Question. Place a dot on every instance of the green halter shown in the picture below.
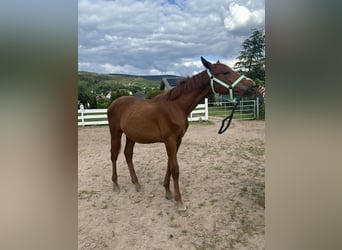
(229, 87)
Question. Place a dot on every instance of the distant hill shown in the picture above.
(84, 75)
(147, 77)
(99, 83)
(93, 86)
(98, 90)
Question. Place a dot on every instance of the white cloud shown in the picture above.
(124, 69)
(151, 36)
(242, 19)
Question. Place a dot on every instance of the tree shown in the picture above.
(103, 103)
(85, 96)
(118, 93)
(153, 93)
(251, 61)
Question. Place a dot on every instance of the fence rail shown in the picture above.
(246, 110)
(99, 116)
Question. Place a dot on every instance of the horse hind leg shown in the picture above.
(129, 159)
(115, 150)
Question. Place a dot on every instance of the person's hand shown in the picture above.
(262, 91)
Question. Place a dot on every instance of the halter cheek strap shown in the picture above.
(229, 87)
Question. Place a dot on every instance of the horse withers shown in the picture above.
(164, 118)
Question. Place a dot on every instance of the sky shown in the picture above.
(151, 37)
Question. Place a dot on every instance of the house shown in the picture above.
(101, 96)
(169, 82)
(109, 95)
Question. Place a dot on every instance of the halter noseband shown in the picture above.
(229, 87)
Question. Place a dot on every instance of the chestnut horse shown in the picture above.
(164, 118)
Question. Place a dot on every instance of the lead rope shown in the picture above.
(230, 117)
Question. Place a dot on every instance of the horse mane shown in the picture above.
(185, 85)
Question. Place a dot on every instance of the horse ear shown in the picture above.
(218, 61)
(205, 63)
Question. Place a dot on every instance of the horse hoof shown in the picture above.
(168, 196)
(139, 189)
(181, 207)
(116, 189)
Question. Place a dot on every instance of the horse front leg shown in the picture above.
(171, 148)
(129, 159)
(166, 183)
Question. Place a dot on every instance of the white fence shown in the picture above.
(247, 109)
(99, 116)
(92, 117)
(200, 113)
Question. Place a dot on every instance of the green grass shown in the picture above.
(85, 194)
(213, 201)
(202, 123)
(217, 111)
(220, 111)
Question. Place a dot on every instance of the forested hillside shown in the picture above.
(99, 90)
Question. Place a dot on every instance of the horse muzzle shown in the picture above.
(251, 91)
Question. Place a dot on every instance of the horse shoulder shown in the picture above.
(172, 121)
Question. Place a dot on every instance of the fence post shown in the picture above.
(241, 108)
(206, 115)
(257, 108)
(82, 114)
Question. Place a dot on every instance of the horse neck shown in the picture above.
(200, 88)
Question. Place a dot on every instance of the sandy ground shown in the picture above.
(221, 181)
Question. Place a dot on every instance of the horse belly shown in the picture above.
(143, 134)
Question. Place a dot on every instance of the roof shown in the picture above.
(169, 82)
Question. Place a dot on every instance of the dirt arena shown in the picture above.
(221, 182)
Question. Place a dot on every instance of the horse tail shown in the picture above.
(113, 117)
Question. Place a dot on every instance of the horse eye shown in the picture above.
(225, 73)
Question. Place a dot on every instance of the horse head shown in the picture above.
(224, 80)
